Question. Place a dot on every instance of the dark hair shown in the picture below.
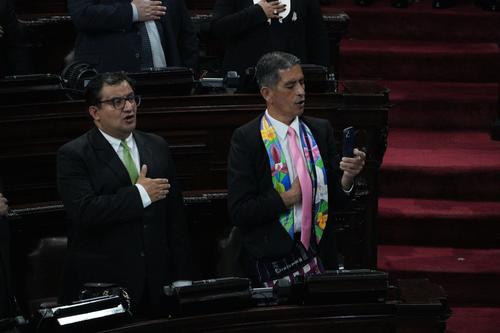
(94, 87)
(268, 67)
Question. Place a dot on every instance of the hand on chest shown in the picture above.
(289, 14)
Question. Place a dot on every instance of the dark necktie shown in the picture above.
(146, 55)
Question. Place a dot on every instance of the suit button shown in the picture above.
(145, 226)
(142, 254)
(137, 55)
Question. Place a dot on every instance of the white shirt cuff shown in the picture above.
(146, 200)
(135, 13)
(349, 190)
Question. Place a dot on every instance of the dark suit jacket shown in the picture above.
(248, 36)
(12, 60)
(254, 205)
(112, 237)
(110, 41)
(6, 292)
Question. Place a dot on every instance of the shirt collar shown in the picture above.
(282, 128)
(115, 143)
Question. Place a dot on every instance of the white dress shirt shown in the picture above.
(282, 131)
(116, 144)
(154, 38)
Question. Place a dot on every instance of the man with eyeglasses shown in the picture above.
(121, 194)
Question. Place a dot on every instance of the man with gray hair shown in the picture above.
(284, 179)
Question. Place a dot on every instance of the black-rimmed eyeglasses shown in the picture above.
(119, 102)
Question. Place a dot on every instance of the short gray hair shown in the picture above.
(268, 67)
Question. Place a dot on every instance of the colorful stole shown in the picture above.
(281, 178)
(300, 262)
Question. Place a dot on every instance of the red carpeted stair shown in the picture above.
(420, 60)
(441, 105)
(439, 211)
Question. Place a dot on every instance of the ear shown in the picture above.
(93, 112)
(267, 93)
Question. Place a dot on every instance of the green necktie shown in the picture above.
(129, 162)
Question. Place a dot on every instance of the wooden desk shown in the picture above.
(415, 306)
(410, 306)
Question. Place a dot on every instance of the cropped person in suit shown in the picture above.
(4, 207)
(251, 28)
(120, 190)
(133, 35)
(6, 295)
(284, 179)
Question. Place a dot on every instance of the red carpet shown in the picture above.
(420, 60)
(464, 22)
(442, 105)
(428, 222)
(469, 276)
(439, 211)
(483, 319)
(462, 165)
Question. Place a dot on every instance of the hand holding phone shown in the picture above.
(348, 142)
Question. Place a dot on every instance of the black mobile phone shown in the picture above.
(348, 142)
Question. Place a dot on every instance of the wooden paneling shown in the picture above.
(198, 129)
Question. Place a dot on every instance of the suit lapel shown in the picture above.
(169, 42)
(163, 39)
(107, 154)
(145, 153)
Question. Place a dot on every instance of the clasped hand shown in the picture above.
(293, 195)
(4, 208)
(157, 188)
(149, 10)
(272, 9)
